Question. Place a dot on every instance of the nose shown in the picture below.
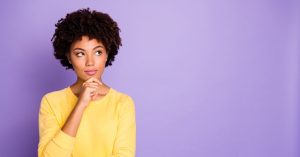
(89, 60)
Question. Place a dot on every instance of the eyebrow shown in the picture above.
(99, 46)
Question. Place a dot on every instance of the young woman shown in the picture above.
(87, 118)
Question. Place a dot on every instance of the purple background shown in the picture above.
(210, 78)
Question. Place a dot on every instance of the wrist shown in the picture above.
(81, 104)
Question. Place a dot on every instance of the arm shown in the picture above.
(125, 142)
(56, 141)
(87, 94)
(53, 142)
(72, 124)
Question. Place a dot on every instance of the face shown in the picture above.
(88, 58)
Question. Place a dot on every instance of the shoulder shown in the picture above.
(125, 104)
(120, 96)
(121, 99)
(54, 104)
(53, 98)
(55, 95)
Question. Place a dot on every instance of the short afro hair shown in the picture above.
(84, 22)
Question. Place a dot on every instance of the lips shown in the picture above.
(90, 72)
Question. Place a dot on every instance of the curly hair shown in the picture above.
(84, 22)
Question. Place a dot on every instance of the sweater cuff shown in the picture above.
(64, 140)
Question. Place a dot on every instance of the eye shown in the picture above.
(98, 53)
(79, 54)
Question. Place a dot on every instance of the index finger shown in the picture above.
(92, 79)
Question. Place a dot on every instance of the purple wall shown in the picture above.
(209, 78)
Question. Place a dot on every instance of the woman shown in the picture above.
(87, 118)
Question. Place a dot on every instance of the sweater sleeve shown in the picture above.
(125, 142)
(53, 141)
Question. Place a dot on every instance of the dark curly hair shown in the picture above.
(84, 22)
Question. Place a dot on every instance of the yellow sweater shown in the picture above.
(107, 127)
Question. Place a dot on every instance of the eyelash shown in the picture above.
(80, 54)
(77, 54)
(99, 52)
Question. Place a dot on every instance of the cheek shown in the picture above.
(101, 62)
(77, 65)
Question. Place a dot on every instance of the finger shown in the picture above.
(88, 83)
(92, 79)
(92, 84)
(94, 96)
(98, 81)
(92, 93)
(91, 87)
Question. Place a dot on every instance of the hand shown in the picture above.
(89, 90)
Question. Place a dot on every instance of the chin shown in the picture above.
(85, 77)
(88, 77)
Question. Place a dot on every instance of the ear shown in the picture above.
(69, 59)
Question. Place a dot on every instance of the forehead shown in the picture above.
(86, 43)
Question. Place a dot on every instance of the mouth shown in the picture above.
(90, 72)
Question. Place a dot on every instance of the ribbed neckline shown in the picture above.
(74, 97)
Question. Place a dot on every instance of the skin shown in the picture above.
(85, 54)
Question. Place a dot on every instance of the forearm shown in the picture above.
(60, 146)
(71, 125)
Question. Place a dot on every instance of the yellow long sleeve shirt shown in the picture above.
(107, 127)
